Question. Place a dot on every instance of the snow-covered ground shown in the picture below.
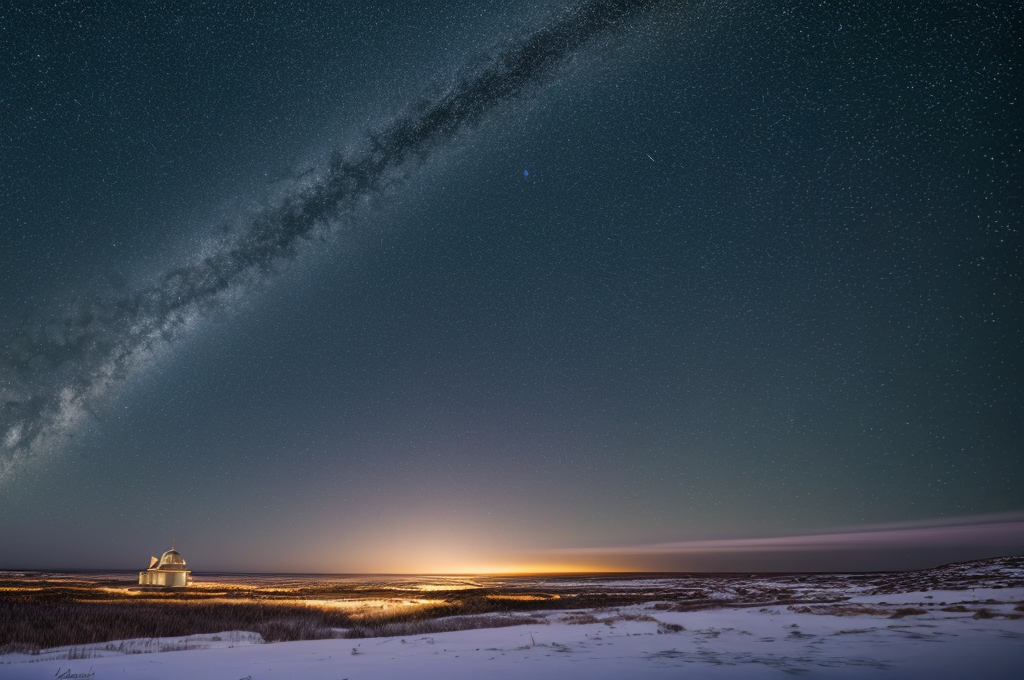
(640, 641)
(957, 621)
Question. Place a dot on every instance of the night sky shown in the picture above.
(401, 287)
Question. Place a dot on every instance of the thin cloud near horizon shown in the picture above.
(1001, 529)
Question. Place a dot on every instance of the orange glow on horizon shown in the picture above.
(428, 555)
(522, 569)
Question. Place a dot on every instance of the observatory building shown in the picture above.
(169, 570)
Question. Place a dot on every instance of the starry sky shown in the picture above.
(454, 287)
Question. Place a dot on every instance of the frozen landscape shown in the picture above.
(956, 621)
(700, 321)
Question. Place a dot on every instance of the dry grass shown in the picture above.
(28, 627)
(25, 626)
(62, 615)
(841, 610)
(907, 611)
(389, 628)
(584, 618)
(42, 610)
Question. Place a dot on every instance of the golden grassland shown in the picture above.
(44, 610)
(50, 612)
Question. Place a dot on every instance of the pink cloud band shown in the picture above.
(1005, 529)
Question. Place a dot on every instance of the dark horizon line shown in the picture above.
(549, 574)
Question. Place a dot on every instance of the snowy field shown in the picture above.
(633, 642)
(961, 621)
